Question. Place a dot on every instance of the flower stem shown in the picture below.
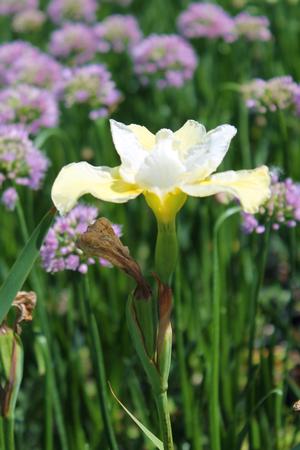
(166, 250)
(95, 345)
(9, 439)
(164, 419)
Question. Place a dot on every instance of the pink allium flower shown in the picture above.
(75, 43)
(168, 60)
(29, 20)
(59, 251)
(28, 105)
(9, 198)
(8, 7)
(118, 33)
(206, 20)
(270, 95)
(253, 28)
(72, 10)
(91, 85)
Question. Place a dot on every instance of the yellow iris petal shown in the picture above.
(165, 208)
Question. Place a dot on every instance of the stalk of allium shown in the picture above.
(20, 163)
(72, 10)
(206, 20)
(75, 43)
(165, 60)
(165, 168)
(278, 93)
(91, 85)
(59, 251)
(28, 21)
(118, 33)
(282, 208)
(30, 106)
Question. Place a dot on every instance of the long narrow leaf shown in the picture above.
(23, 265)
(157, 442)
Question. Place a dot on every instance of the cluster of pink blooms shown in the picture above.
(30, 106)
(8, 7)
(74, 43)
(20, 163)
(208, 20)
(165, 60)
(72, 10)
(59, 251)
(28, 21)
(271, 95)
(91, 85)
(118, 33)
(282, 208)
(20, 62)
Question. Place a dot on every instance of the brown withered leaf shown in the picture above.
(25, 302)
(101, 241)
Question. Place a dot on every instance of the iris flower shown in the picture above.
(165, 168)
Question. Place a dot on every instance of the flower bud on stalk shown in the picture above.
(11, 353)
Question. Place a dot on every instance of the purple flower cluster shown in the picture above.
(20, 162)
(28, 105)
(28, 21)
(91, 85)
(252, 28)
(8, 7)
(282, 208)
(59, 251)
(206, 20)
(166, 60)
(118, 33)
(75, 43)
(20, 62)
(271, 95)
(211, 21)
(72, 10)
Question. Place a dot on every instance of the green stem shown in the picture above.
(9, 439)
(215, 426)
(164, 420)
(43, 318)
(98, 361)
(166, 250)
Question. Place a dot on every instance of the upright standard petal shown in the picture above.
(251, 187)
(204, 158)
(145, 138)
(132, 154)
(77, 179)
(188, 136)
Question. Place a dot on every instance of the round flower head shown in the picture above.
(72, 10)
(45, 72)
(12, 52)
(59, 251)
(253, 28)
(282, 208)
(91, 85)
(165, 168)
(9, 198)
(74, 43)
(28, 105)
(28, 21)
(20, 162)
(276, 93)
(119, 32)
(206, 20)
(8, 7)
(167, 60)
